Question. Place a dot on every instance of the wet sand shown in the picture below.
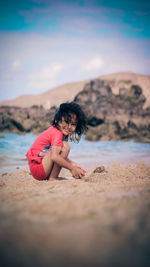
(101, 220)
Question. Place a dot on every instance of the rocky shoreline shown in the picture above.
(115, 116)
(110, 116)
(23, 120)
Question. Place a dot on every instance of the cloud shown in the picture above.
(34, 63)
(45, 77)
(94, 64)
(16, 64)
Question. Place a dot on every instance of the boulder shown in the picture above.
(21, 120)
(115, 117)
(110, 116)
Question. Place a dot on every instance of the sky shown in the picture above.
(45, 43)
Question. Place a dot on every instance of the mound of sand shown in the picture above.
(101, 220)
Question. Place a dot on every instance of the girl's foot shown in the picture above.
(53, 179)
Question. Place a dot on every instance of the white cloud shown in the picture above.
(45, 78)
(94, 64)
(25, 60)
(16, 64)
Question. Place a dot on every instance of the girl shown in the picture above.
(49, 153)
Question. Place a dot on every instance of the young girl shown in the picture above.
(49, 153)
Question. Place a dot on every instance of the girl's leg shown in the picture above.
(52, 169)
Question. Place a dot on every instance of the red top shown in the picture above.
(52, 136)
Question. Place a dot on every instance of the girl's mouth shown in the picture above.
(67, 131)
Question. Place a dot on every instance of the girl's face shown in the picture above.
(68, 128)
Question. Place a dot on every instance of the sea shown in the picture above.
(13, 148)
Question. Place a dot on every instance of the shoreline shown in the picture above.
(87, 154)
(6, 167)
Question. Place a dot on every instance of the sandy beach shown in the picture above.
(101, 220)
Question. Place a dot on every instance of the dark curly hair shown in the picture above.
(65, 111)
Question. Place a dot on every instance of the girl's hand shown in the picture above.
(78, 165)
(77, 172)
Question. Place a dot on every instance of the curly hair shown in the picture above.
(65, 111)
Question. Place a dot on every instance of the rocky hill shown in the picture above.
(121, 116)
(23, 120)
(111, 116)
(68, 91)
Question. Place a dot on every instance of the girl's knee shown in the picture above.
(66, 147)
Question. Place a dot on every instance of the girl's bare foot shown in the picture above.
(53, 179)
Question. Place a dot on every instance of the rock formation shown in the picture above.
(68, 91)
(110, 116)
(23, 120)
(115, 117)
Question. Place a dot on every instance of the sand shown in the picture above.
(101, 220)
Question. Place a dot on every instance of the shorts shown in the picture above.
(37, 169)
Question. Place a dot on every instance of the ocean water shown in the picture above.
(13, 148)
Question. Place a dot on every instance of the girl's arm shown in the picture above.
(56, 157)
(75, 164)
